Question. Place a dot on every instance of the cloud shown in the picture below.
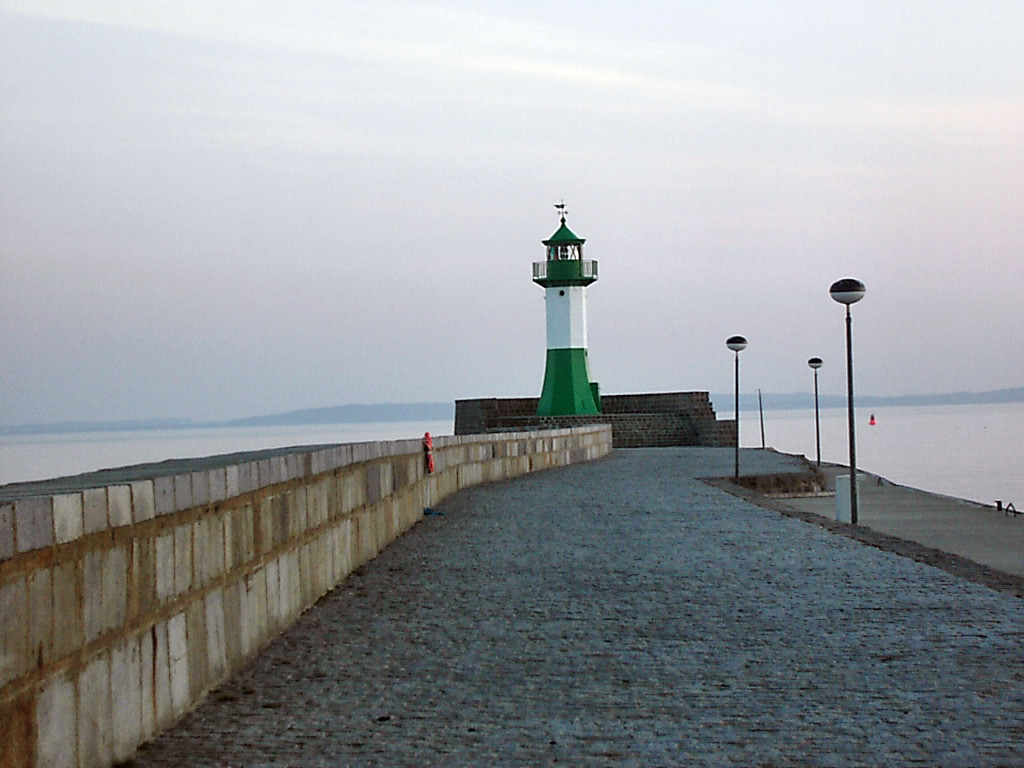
(342, 166)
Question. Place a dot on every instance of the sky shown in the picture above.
(213, 209)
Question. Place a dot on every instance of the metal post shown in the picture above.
(737, 344)
(849, 291)
(736, 411)
(760, 408)
(817, 421)
(849, 397)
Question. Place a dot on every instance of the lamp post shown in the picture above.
(849, 291)
(816, 363)
(737, 344)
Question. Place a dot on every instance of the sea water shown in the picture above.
(40, 457)
(970, 451)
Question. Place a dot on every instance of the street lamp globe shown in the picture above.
(847, 291)
(815, 362)
(736, 343)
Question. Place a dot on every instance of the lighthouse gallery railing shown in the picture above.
(587, 268)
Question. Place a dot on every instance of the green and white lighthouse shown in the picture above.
(565, 274)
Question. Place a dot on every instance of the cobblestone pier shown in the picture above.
(623, 612)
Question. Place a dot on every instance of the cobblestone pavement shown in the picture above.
(624, 613)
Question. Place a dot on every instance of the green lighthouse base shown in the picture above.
(567, 389)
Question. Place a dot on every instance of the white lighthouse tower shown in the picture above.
(565, 274)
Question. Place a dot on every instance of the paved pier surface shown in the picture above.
(975, 531)
(625, 613)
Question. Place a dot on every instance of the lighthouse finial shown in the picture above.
(561, 210)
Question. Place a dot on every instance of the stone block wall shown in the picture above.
(127, 595)
(639, 420)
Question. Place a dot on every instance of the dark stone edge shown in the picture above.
(953, 564)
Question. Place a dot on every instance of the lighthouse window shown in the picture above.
(561, 293)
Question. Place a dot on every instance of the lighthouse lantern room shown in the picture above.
(564, 274)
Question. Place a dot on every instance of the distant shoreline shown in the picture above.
(395, 412)
(339, 414)
(798, 400)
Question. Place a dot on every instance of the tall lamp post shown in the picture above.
(849, 291)
(737, 344)
(816, 363)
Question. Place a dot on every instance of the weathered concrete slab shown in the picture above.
(143, 473)
(977, 532)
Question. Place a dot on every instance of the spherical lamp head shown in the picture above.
(815, 362)
(736, 343)
(847, 291)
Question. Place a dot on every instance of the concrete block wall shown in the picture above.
(659, 402)
(638, 420)
(127, 595)
(629, 430)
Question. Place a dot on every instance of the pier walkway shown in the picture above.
(978, 532)
(623, 612)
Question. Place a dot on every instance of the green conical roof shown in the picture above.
(564, 236)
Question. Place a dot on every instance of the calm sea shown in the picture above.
(39, 457)
(971, 451)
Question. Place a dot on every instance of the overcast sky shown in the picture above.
(217, 209)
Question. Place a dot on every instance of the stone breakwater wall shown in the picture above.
(127, 595)
(659, 419)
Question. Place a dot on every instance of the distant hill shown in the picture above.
(723, 403)
(338, 414)
(351, 414)
(390, 412)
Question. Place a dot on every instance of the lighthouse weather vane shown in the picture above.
(561, 210)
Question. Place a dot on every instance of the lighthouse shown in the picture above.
(564, 275)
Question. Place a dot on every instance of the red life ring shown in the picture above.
(428, 452)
